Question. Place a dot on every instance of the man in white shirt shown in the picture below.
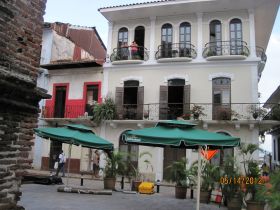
(61, 162)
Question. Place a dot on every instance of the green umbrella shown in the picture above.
(75, 134)
(176, 133)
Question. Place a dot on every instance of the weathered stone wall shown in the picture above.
(21, 23)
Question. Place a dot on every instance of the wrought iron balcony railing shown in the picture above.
(222, 48)
(70, 111)
(205, 111)
(129, 53)
(176, 50)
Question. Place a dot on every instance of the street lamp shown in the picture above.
(262, 136)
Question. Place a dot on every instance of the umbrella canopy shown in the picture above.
(179, 134)
(75, 134)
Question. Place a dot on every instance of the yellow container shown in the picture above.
(146, 188)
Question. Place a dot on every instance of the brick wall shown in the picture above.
(21, 24)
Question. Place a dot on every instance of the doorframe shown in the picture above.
(98, 83)
(55, 85)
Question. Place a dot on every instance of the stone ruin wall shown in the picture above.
(21, 24)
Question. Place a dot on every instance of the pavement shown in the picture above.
(46, 197)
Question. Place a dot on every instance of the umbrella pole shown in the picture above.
(198, 179)
(69, 160)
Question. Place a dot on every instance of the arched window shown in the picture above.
(185, 33)
(221, 98)
(235, 36)
(166, 40)
(215, 29)
(123, 37)
(139, 38)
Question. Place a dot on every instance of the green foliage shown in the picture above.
(179, 173)
(210, 174)
(251, 167)
(273, 195)
(104, 111)
(115, 165)
(135, 171)
(230, 170)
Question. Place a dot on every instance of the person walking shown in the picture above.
(61, 163)
(95, 161)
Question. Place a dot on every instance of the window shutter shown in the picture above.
(140, 103)
(187, 99)
(163, 102)
(119, 101)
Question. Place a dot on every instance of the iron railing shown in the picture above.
(129, 53)
(176, 50)
(70, 111)
(220, 48)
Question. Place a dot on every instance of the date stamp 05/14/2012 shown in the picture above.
(242, 180)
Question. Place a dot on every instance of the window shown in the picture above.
(91, 97)
(185, 39)
(235, 37)
(216, 37)
(123, 37)
(221, 98)
(166, 40)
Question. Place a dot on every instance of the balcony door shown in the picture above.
(166, 40)
(91, 97)
(55, 149)
(130, 100)
(236, 37)
(60, 100)
(174, 99)
(139, 38)
(216, 37)
(221, 98)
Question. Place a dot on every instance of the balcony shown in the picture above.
(226, 50)
(209, 111)
(177, 52)
(129, 55)
(70, 111)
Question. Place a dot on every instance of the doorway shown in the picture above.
(175, 98)
(60, 99)
(130, 99)
(171, 155)
(139, 38)
(91, 97)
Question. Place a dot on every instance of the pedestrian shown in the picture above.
(95, 161)
(61, 163)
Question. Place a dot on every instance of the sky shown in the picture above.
(84, 13)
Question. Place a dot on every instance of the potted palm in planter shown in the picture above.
(210, 175)
(179, 174)
(115, 166)
(232, 192)
(252, 172)
(104, 111)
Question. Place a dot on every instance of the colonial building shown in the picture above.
(71, 71)
(21, 25)
(194, 60)
(190, 55)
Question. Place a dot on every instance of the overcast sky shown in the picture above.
(84, 13)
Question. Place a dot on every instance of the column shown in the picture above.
(252, 33)
(152, 38)
(109, 41)
(199, 45)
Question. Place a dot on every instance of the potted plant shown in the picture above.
(114, 166)
(104, 111)
(210, 175)
(252, 172)
(197, 111)
(136, 174)
(232, 192)
(179, 174)
(257, 111)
